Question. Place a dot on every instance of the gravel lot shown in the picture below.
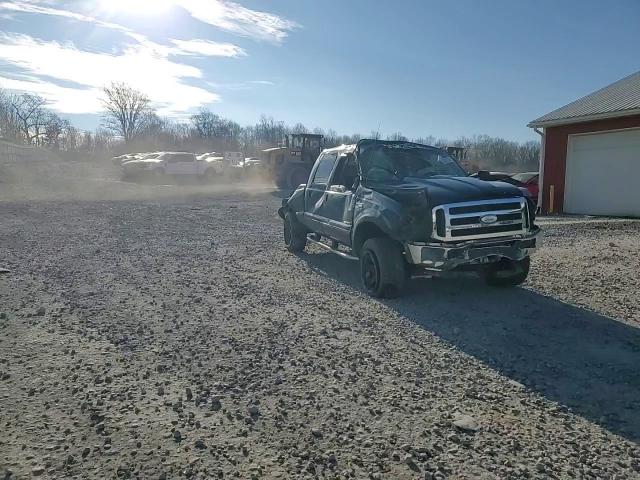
(171, 335)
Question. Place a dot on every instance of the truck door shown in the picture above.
(188, 164)
(181, 164)
(315, 193)
(336, 210)
(172, 165)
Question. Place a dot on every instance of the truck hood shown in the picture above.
(442, 190)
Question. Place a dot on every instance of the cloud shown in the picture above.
(184, 47)
(143, 68)
(228, 16)
(207, 48)
(240, 20)
(31, 6)
(62, 99)
(240, 85)
(51, 69)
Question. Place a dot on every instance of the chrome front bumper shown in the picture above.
(441, 256)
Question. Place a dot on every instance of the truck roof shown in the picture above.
(341, 149)
(352, 148)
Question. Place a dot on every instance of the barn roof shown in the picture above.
(621, 98)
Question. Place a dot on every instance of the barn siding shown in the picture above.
(555, 163)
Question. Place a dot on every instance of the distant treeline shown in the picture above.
(131, 124)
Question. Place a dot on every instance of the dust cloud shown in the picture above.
(59, 178)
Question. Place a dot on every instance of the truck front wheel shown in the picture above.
(295, 236)
(507, 273)
(382, 268)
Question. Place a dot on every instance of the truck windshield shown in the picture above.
(389, 163)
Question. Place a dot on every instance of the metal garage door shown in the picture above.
(603, 174)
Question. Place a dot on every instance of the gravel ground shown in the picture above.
(174, 337)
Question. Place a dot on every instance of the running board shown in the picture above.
(332, 250)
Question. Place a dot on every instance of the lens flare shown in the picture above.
(137, 7)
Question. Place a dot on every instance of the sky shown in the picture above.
(420, 67)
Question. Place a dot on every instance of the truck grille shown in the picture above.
(481, 219)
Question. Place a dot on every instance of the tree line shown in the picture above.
(130, 123)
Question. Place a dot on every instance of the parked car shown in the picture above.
(215, 161)
(530, 181)
(253, 167)
(404, 209)
(173, 164)
(497, 177)
(120, 159)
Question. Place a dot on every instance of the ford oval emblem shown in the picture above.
(489, 219)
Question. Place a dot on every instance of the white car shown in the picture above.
(204, 156)
(173, 164)
(122, 159)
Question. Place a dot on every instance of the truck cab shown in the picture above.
(403, 209)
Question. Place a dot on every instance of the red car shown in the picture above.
(530, 181)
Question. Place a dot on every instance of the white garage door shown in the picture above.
(603, 174)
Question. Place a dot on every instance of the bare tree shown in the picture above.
(31, 116)
(128, 111)
(8, 121)
(299, 128)
(54, 129)
(397, 136)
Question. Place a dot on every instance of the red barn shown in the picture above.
(590, 160)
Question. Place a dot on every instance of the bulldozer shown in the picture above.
(289, 164)
(459, 153)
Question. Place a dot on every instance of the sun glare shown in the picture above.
(137, 7)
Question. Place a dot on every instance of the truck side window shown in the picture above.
(325, 167)
(346, 172)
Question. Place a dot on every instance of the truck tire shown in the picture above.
(295, 236)
(507, 273)
(382, 268)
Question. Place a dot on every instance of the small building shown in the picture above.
(590, 156)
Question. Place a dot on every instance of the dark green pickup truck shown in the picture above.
(403, 209)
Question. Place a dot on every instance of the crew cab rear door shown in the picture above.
(315, 192)
(336, 210)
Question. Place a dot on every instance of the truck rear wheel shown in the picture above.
(295, 236)
(382, 268)
(507, 273)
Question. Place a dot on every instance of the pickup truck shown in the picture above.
(404, 210)
(172, 164)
